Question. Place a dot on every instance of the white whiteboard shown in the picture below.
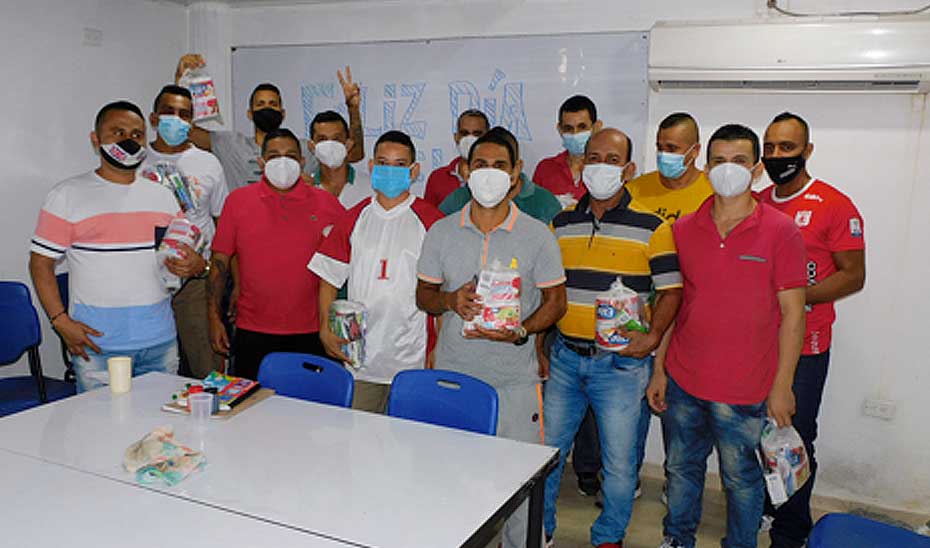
(420, 87)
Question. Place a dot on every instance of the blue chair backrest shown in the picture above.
(445, 398)
(307, 377)
(19, 323)
(849, 531)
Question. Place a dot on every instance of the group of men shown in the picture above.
(725, 277)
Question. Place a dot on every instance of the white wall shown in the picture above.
(876, 148)
(53, 87)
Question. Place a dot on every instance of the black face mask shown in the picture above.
(783, 170)
(267, 119)
(126, 154)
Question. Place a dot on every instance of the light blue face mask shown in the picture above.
(173, 129)
(575, 142)
(392, 181)
(672, 165)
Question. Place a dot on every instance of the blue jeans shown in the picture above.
(793, 521)
(693, 427)
(613, 386)
(94, 374)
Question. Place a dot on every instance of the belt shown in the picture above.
(581, 347)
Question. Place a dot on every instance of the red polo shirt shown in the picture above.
(274, 236)
(724, 345)
(442, 182)
(554, 175)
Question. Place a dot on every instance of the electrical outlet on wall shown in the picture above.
(880, 409)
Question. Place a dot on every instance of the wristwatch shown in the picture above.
(205, 273)
(522, 336)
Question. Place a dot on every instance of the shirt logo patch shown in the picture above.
(855, 228)
(803, 218)
(812, 196)
(753, 258)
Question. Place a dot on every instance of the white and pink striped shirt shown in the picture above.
(107, 232)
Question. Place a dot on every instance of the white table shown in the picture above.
(350, 475)
(49, 506)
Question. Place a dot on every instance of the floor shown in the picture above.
(576, 513)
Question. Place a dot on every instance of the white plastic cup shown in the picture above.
(201, 407)
(120, 369)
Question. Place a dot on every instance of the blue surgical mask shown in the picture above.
(575, 142)
(173, 129)
(392, 181)
(672, 165)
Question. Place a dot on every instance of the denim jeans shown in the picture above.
(586, 454)
(94, 374)
(613, 386)
(693, 428)
(793, 521)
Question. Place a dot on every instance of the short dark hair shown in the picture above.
(497, 138)
(264, 87)
(328, 116)
(506, 134)
(735, 132)
(124, 106)
(400, 138)
(171, 89)
(678, 118)
(473, 112)
(787, 116)
(280, 133)
(577, 103)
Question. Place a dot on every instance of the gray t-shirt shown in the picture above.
(239, 155)
(454, 252)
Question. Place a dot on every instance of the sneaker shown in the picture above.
(550, 542)
(766, 525)
(588, 485)
(669, 542)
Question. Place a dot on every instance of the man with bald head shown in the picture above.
(677, 187)
(606, 236)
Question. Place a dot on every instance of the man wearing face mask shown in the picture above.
(734, 346)
(677, 187)
(330, 143)
(274, 228)
(561, 174)
(105, 223)
(375, 248)
(240, 153)
(443, 181)
(607, 236)
(171, 115)
(491, 229)
(833, 233)
(532, 199)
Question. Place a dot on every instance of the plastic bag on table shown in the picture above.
(784, 460)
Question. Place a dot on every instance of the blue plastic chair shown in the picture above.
(19, 334)
(307, 377)
(849, 531)
(445, 398)
(64, 291)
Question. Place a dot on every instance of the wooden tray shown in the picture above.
(253, 400)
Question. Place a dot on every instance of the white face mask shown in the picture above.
(489, 185)
(332, 154)
(282, 172)
(464, 145)
(603, 180)
(730, 179)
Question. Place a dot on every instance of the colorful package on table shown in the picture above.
(617, 308)
(349, 321)
(498, 289)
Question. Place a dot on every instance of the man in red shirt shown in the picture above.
(445, 180)
(736, 343)
(561, 174)
(273, 227)
(832, 230)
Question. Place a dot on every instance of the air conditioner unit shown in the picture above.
(847, 56)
